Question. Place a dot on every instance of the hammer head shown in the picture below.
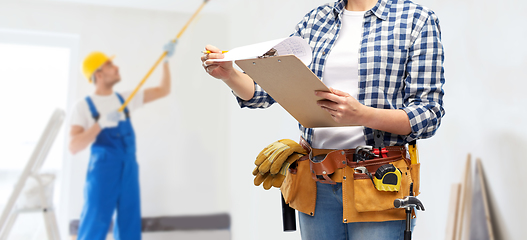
(409, 202)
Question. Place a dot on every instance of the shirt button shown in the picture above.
(324, 53)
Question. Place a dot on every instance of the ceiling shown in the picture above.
(186, 6)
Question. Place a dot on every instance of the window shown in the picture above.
(34, 83)
(35, 72)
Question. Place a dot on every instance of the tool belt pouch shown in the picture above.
(367, 197)
(299, 189)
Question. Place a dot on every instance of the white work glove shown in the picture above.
(170, 48)
(109, 120)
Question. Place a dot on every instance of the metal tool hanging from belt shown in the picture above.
(162, 56)
(387, 177)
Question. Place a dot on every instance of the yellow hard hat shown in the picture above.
(92, 62)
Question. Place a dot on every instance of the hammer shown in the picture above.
(408, 203)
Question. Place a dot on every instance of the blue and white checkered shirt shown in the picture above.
(400, 63)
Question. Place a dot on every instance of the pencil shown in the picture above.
(207, 52)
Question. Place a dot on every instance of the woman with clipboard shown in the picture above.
(383, 61)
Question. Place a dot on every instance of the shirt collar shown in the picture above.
(380, 10)
(339, 6)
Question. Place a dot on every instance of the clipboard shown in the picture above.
(292, 84)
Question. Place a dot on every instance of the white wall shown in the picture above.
(484, 112)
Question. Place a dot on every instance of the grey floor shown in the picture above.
(187, 235)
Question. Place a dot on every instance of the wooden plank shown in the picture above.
(481, 224)
(463, 213)
(453, 207)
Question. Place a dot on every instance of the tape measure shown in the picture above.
(387, 178)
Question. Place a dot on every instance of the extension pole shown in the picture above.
(161, 57)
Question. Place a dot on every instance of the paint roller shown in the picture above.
(162, 56)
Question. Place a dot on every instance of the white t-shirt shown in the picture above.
(81, 115)
(342, 73)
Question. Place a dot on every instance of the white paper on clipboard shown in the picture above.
(285, 46)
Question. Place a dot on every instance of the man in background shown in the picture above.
(112, 180)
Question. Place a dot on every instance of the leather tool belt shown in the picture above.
(362, 201)
(327, 164)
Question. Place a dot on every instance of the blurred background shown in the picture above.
(196, 147)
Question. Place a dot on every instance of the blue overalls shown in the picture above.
(112, 183)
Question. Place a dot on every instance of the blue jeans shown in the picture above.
(327, 222)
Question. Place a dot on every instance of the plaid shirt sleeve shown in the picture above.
(261, 99)
(423, 91)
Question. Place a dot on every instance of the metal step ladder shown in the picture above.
(33, 191)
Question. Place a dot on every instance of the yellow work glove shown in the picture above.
(273, 156)
(275, 180)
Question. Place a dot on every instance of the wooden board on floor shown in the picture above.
(480, 226)
(463, 212)
(453, 206)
